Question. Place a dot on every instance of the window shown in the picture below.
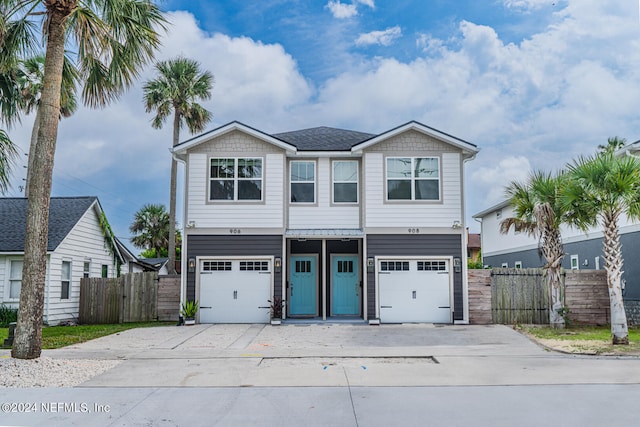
(216, 266)
(66, 280)
(432, 266)
(86, 269)
(254, 265)
(505, 265)
(345, 266)
(235, 179)
(303, 267)
(303, 182)
(394, 266)
(15, 279)
(105, 271)
(345, 181)
(413, 178)
(518, 264)
(575, 265)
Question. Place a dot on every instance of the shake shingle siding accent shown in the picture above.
(415, 245)
(243, 246)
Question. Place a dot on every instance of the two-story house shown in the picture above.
(336, 223)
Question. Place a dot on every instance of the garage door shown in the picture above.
(414, 291)
(235, 291)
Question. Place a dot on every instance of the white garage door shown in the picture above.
(414, 291)
(235, 291)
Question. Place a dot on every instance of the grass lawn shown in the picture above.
(583, 339)
(62, 336)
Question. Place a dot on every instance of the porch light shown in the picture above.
(456, 225)
(277, 264)
(192, 265)
(370, 264)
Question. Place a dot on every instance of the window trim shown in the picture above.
(413, 180)
(517, 264)
(68, 280)
(575, 258)
(334, 182)
(7, 293)
(104, 271)
(315, 182)
(235, 180)
(86, 268)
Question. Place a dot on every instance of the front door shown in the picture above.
(303, 286)
(346, 285)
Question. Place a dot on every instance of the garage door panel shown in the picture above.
(414, 291)
(232, 295)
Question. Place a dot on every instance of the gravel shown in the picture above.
(48, 372)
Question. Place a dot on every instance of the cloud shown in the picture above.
(369, 3)
(528, 5)
(493, 177)
(342, 10)
(383, 38)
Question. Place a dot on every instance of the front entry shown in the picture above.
(346, 285)
(303, 286)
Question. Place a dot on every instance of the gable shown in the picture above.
(413, 142)
(235, 142)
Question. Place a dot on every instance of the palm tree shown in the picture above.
(613, 145)
(178, 86)
(31, 77)
(113, 41)
(538, 212)
(7, 153)
(151, 228)
(600, 189)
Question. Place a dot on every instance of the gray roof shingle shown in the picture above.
(323, 139)
(64, 213)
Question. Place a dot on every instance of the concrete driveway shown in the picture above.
(338, 355)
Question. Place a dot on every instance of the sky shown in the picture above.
(533, 83)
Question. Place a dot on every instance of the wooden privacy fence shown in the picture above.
(135, 297)
(519, 295)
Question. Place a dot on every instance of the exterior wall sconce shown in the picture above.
(457, 265)
(192, 265)
(456, 225)
(370, 265)
(191, 224)
(277, 264)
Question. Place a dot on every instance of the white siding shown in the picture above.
(84, 242)
(322, 214)
(379, 213)
(235, 214)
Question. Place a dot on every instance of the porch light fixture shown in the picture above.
(277, 264)
(370, 264)
(192, 265)
(456, 225)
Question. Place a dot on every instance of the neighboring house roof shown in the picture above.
(64, 213)
(324, 139)
(493, 208)
(156, 263)
(474, 241)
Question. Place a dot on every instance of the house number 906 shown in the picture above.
(234, 231)
(414, 231)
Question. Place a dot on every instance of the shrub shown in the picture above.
(7, 315)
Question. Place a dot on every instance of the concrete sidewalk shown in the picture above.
(327, 355)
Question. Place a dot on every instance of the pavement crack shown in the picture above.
(353, 407)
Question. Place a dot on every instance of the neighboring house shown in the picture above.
(473, 247)
(133, 264)
(337, 223)
(157, 264)
(77, 248)
(583, 250)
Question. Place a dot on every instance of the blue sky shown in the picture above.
(533, 83)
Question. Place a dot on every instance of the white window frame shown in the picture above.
(65, 279)
(505, 265)
(575, 265)
(86, 268)
(335, 181)
(517, 264)
(597, 263)
(104, 267)
(314, 182)
(413, 179)
(236, 179)
(11, 279)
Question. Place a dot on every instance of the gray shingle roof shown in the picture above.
(64, 213)
(323, 139)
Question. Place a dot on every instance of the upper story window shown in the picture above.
(15, 279)
(413, 178)
(345, 181)
(303, 182)
(236, 179)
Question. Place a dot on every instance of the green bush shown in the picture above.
(7, 315)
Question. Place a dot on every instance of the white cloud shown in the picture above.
(342, 10)
(528, 5)
(492, 176)
(369, 3)
(384, 38)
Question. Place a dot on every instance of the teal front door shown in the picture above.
(303, 286)
(346, 285)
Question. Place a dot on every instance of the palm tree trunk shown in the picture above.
(554, 253)
(613, 265)
(172, 196)
(28, 339)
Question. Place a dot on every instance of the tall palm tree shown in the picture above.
(177, 88)
(600, 189)
(7, 153)
(113, 40)
(31, 77)
(538, 212)
(151, 228)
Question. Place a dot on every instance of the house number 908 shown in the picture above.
(234, 231)
(414, 231)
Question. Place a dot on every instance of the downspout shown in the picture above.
(463, 258)
(183, 254)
